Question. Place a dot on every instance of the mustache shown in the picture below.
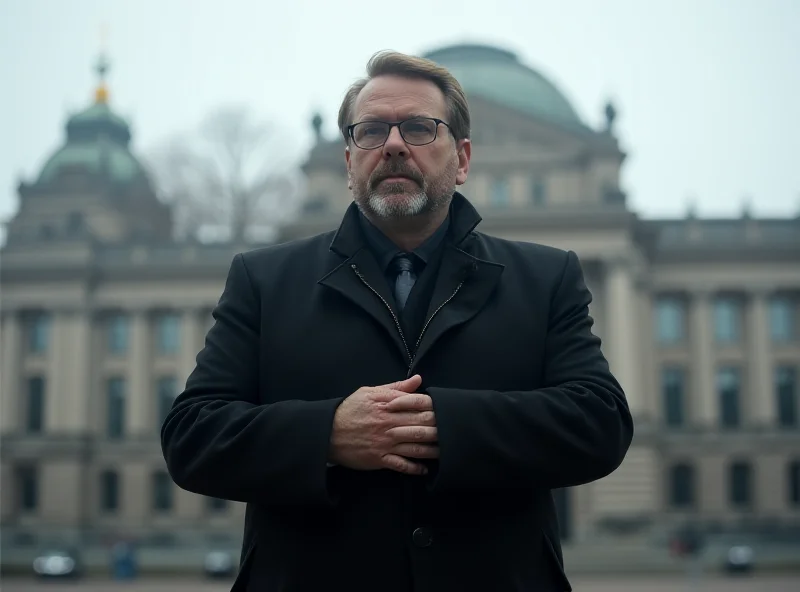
(396, 170)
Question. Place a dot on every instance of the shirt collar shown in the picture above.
(385, 250)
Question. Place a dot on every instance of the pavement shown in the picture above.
(709, 583)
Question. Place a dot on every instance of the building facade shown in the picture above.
(103, 314)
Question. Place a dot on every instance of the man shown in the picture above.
(395, 400)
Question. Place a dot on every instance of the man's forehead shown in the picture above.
(402, 96)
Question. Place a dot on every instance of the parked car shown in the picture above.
(739, 559)
(57, 563)
(219, 564)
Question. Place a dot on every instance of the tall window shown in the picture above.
(168, 339)
(670, 321)
(781, 319)
(726, 320)
(793, 482)
(109, 491)
(162, 492)
(27, 488)
(118, 334)
(740, 485)
(166, 391)
(728, 393)
(34, 412)
(38, 333)
(787, 396)
(538, 191)
(500, 192)
(115, 407)
(681, 486)
(673, 389)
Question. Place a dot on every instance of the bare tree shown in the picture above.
(234, 177)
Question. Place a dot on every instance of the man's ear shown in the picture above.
(464, 152)
(348, 165)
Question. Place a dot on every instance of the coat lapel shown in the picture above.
(463, 287)
(360, 280)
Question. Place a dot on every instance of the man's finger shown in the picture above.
(413, 434)
(403, 465)
(409, 385)
(386, 395)
(412, 418)
(415, 402)
(417, 450)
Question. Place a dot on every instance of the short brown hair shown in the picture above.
(393, 63)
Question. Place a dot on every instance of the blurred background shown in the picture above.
(145, 143)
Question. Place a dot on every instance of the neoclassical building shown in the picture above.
(103, 314)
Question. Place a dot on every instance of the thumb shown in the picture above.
(409, 385)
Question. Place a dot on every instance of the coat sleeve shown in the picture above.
(219, 441)
(576, 429)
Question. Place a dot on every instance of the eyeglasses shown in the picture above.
(417, 131)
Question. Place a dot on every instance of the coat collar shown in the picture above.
(349, 238)
(466, 281)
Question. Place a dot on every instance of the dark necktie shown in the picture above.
(405, 279)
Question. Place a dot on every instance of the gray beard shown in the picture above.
(396, 203)
(387, 206)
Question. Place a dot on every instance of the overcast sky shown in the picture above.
(708, 91)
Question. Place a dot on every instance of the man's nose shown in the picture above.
(395, 146)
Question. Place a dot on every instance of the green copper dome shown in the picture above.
(97, 143)
(498, 76)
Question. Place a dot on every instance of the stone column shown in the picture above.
(760, 398)
(140, 397)
(619, 332)
(629, 491)
(10, 378)
(61, 491)
(71, 371)
(705, 408)
(137, 494)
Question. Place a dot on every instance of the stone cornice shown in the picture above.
(732, 254)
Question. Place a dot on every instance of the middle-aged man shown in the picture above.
(395, 400)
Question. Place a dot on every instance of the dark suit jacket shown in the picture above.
(523, 397)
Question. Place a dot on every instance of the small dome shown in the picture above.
(97, 143)
(498, 75)
(98, 118)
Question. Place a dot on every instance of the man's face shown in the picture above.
(398, 180)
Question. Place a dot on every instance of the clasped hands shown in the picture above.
(385, 427)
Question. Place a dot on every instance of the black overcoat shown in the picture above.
(523, 397)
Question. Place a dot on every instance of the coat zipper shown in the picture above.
(397, 322)
(391, 312)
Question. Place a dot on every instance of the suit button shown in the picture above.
(422, 537)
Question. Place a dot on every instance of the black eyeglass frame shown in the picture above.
(397, 124)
